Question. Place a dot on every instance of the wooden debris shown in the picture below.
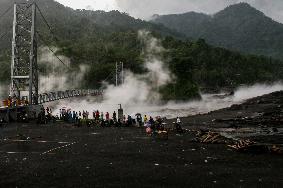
(247, 146)
(241, 145)
(209, 137)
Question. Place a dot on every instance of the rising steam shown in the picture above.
(4, 88)
(142, 89)
(172, 109)
(139, 92)
(55, 75)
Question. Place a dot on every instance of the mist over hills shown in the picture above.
(239, 27)
(98, 39)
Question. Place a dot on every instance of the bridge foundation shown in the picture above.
(12, 114)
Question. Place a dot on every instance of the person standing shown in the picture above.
(178, 125)
(130, 121)
(97, 115)
(145, 119)
(124, 120)
(139, 119)
(102, 116)
(107, 116)
(87, 114)
(178, 120)
(152, 124)
(114, 116)
(77, 117)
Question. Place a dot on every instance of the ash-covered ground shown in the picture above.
(61, 155)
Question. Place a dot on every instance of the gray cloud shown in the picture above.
(146, 8)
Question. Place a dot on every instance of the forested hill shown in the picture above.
(238, 27)
(68, 23)
(99, 39)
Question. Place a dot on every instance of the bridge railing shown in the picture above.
(54, 96)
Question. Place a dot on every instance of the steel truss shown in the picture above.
(24, 70)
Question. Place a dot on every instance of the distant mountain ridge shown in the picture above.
(98, 39)
(238, 27)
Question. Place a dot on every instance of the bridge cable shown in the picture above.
(45, 43)
(53, 35)
(50, 49)
(4, 35)
(111, 74)
(5, 12)
(6, 32)
(56, 39)
(47, 24)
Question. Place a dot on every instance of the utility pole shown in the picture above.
(24, 70)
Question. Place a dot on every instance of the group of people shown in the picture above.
(155, 126)
(14, 101)
(106, 118)
(152, 125)
(45, 116)
(97, 118)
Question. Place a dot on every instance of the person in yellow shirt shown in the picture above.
(145, 119)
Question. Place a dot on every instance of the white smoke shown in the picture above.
(57, 76)
(246, 92)
(139, 89)
(139, 93)
(209, 102)
(4, 91)
(212, 102)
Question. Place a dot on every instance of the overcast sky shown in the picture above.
(146, 8)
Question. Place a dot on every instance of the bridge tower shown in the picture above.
(24, 70)
(119, 73)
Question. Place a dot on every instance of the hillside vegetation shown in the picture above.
(239, 27)
(99, 39)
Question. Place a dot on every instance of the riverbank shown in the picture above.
(61, 155)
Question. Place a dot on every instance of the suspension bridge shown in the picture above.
(24, 85)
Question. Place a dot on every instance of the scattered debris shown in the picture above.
(248, 146)
(244, 145)
(209, 137)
